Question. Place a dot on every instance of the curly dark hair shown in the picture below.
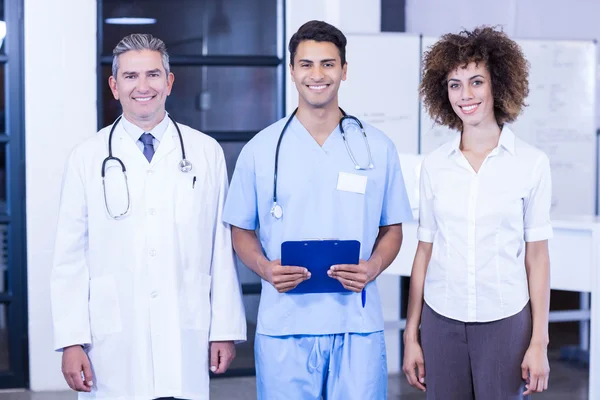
(505, 62)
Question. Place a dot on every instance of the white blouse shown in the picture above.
(478, 223)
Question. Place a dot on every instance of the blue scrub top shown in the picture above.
(313, 208)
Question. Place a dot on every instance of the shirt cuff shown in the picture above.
(425, 235)
(62, 341)
(236, 338)
(537, 234)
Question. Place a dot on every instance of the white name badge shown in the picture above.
(352, 183)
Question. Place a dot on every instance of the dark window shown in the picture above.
(13, 294)
(393, 15)
(4, 345)
(214, 99)
(196, 27)
(3, 72)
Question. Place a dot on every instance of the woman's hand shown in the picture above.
(535, 369)
(414, 364)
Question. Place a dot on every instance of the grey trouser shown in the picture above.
(468, 361)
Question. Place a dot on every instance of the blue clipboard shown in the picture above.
(318, 256)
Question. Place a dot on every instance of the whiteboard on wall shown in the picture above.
(382, 85)
(560, 119)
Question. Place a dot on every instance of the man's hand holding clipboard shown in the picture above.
(283, 278)
(319, 256)
(353, 277)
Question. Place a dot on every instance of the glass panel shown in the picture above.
(214, 98)
(244, 358)
(4, 348)
(2, 30)
(225, 98)
(208, 27)
(2, 97)
(3, 182)
(4, 258)
(232, 151)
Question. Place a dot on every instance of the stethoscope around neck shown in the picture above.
(184, 166)
(276, 209)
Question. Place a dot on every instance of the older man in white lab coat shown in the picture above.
(144, 284)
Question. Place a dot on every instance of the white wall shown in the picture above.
(436, 17)
(538, 19)
(351, 16)
(60, 110)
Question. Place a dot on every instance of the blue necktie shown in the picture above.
(148, 140)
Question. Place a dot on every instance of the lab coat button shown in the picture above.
(149, 172)
(152, 211)
(153, 294)
(152, 253)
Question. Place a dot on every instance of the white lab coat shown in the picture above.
(146, 293)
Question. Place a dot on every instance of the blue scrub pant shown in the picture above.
(348, 366)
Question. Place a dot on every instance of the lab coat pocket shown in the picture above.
(195, 303)
(194, 199)
(185, 201)
(105, 312)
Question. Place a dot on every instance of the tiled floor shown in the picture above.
(567, 383)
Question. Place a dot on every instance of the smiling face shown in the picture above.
(470, 94)
(317, 71)
(142, 86)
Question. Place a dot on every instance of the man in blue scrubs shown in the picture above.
(318, 345)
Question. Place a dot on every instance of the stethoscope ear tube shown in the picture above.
(276, 209)
(110, 135)
(184, 164)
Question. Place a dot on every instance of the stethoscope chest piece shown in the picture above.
(277, 211)
(185, 165)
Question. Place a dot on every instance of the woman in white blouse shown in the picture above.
(484, 199)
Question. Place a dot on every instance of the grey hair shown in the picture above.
(140, 41)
